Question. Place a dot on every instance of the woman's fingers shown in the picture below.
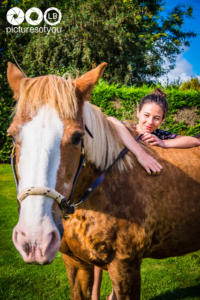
(148, 170)
(149, 138)
(146, 136)
(150, 164)
(153, 166)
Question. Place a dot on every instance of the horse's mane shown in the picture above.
(60, 94)
(54, 90)
(106, 144)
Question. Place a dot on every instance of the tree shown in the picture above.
(192, 84)
(133, 36)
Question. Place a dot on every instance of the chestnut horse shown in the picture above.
(128, 217)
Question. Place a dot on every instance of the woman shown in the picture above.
(151, 112)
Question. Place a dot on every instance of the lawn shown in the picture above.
(168, 279)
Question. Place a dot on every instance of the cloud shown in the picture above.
(183, 71)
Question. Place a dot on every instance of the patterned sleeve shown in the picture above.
(164, 135)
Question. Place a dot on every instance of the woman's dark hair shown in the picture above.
(157, 97)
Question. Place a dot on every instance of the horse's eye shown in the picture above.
(76, 138)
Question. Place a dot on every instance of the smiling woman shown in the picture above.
(151, 113)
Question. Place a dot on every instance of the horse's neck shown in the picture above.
(106, 144)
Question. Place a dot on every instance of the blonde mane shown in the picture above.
(106, 145)
(60, 94)
(54, 90)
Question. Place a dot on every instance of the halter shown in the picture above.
(65, 205)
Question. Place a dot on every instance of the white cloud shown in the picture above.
(183, 71)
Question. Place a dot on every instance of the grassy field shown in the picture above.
(169, 279)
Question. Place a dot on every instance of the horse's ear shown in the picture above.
(14, 76)
(86, 82)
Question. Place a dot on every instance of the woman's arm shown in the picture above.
(182, 142)
(177, 142)
(146, 160)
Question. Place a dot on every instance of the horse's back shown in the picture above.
(172, 203)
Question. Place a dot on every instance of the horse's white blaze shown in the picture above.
(39, 161)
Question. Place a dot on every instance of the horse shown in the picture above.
(117, 214)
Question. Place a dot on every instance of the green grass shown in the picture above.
(168, 279)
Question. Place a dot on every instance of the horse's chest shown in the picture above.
(90, 236)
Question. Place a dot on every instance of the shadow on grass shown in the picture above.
(181, 293)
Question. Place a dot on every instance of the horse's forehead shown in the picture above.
(46, 116)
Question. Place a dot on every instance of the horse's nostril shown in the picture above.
(53, 240)
(15, 236)
(53, 237)
(61, 230)
(26, 248)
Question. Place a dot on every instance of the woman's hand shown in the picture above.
(153, 140)
(151, 165)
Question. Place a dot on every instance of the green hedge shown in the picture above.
(5, 119)
(121, 102)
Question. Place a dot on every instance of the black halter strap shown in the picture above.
(66, 204)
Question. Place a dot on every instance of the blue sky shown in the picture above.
(188, 63)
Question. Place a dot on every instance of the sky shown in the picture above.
(188, 62)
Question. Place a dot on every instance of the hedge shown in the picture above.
(121, 102)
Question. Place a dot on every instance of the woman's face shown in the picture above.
(150, 117)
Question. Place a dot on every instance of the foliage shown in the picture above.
(5, 119)
(192, 84)
(121, 102)
(134, 37)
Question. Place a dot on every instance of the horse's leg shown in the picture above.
(112, 296)
(97, 283)
(126, 279)
(81, 276)
(97, 286)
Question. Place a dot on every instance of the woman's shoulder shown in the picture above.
(164, 135)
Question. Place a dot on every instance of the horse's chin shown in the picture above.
(39, 262)
(38, 259)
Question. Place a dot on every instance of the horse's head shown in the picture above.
(47, 129)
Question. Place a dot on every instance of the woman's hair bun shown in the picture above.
(158, 92)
